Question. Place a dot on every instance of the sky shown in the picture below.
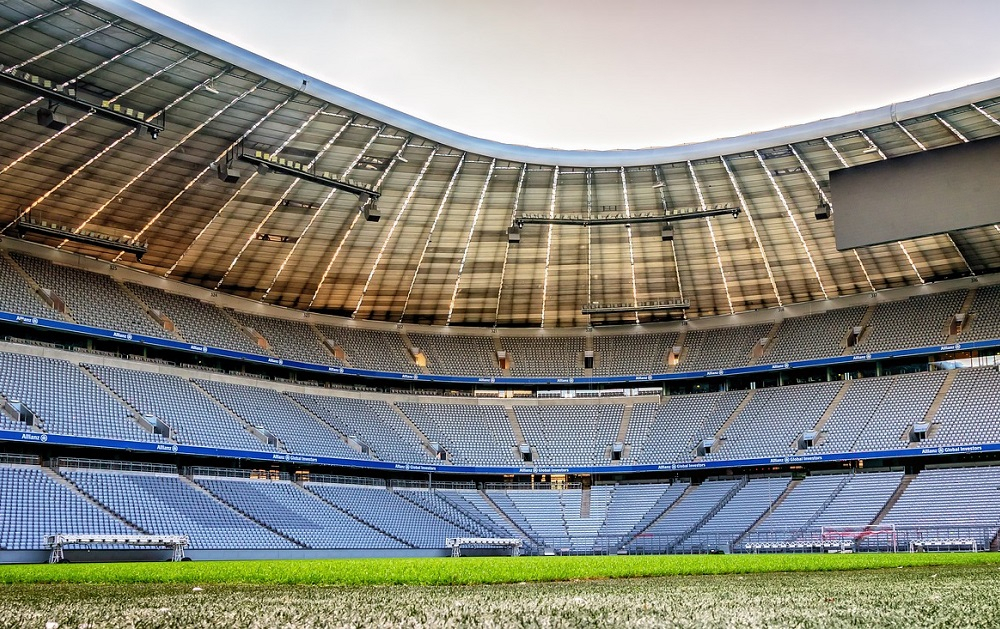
(582, 74)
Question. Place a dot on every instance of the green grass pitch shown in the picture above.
(862, 590)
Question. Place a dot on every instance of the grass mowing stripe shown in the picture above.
(469, 570)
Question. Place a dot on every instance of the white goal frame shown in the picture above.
(847, 536)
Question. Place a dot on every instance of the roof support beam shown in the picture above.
(231, 198)
(711, 233)
(357, 215)
(753, 228)
(468, 239)
(39, 17)
(430, 235)
(172, 148)
(94, 157)
(319, 210)
(288, 190)
(156, 217)
(661, 187)
(548, 240)
(826, 199)
(392, 228)
(628, 232)
(791, 217)
(506, 251)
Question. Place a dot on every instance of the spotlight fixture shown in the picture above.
(210, 87)
(51, 120)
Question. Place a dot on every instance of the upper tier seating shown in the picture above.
(812, 336)
(623, 354)
(378, 350)
(296, 340)
(66, 400)
(34, 504)
(919, 321)
(985, 314)
(194, 417)
(914, 322)
(93, 299)
(458, 355)
(166, 504)
(16, 295)
(196, 321)
(723, 347)
(540, 357)
(298, 431)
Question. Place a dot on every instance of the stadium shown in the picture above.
(247, 315)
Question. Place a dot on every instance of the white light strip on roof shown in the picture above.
(68, 42)
(506, 251)
(950, 127)
(392, 228)
(317, 213)
(90, 161)
(628, 233)
(207, 168)
(826, 199)
(35, 18)
(661, 186)
(711, 233)
(430, 234)
(753, 228)
(357, 214)
(843, 162)
(274, 206)
(791, 217)
(170, 150)
(222, 209)
(468, 240)
(548, 241)
(590, 248)
(73, 124)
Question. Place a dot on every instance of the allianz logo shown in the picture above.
(165, 448)
(31, 436)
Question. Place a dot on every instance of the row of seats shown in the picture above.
(864, 415)
(736, 514)
(917, 321)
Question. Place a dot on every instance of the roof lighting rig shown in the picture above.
(125, 244)
(66, 94)
(266, 162)
(642, 306)
(666, 218)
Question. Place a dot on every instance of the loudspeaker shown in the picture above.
(667, 232)
(513, 234)
(52, 120)
(822, 211)
(227, 174)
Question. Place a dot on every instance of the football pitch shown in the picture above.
(864, 590)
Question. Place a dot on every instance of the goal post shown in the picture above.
(860, 537)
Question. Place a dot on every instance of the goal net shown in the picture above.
(860, 537)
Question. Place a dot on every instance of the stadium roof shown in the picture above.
(440, 253)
